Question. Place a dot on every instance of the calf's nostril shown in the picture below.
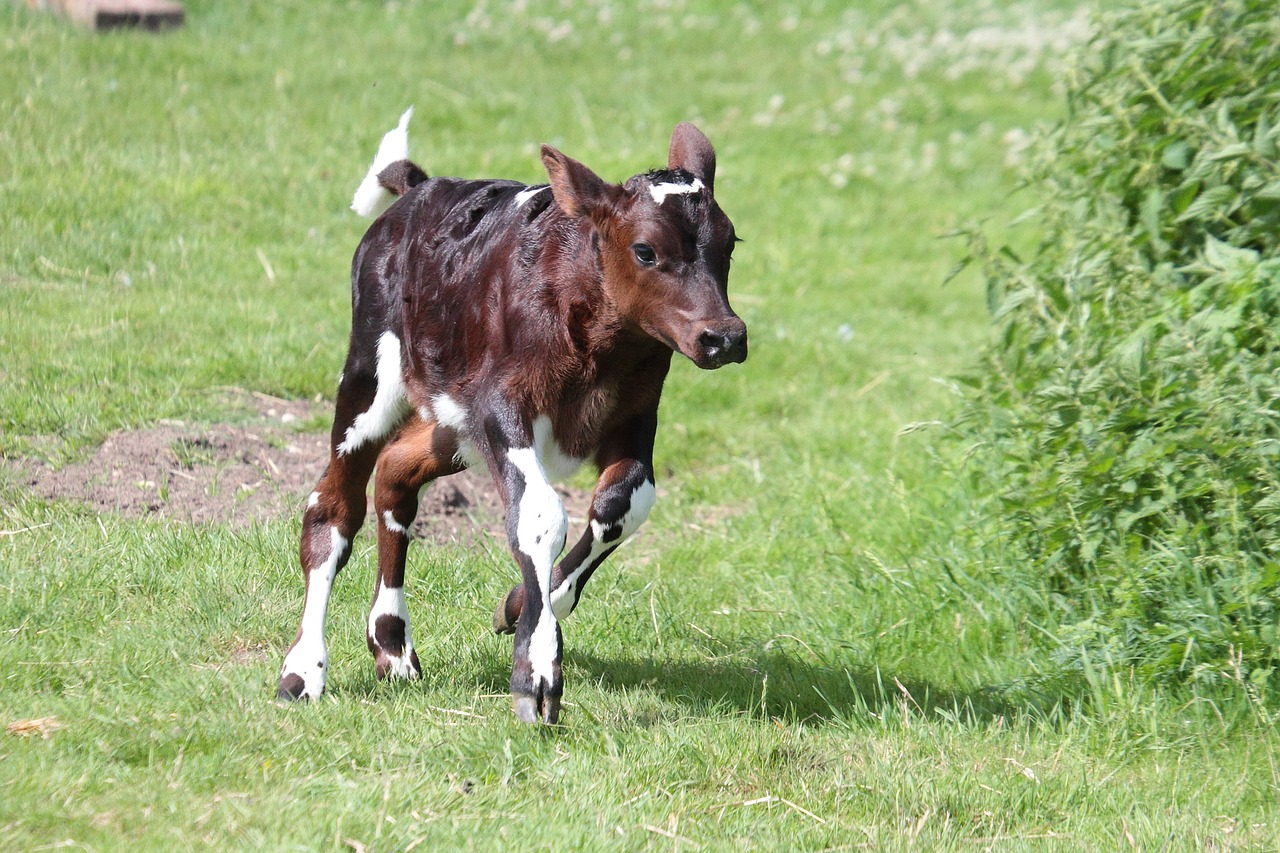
(713, 340)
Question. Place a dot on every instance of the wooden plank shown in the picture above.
(110, 14)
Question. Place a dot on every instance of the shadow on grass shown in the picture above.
(773, 684)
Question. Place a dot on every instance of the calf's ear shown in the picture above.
(577, 189)
(691, 150)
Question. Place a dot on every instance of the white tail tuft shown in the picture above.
(371, 197)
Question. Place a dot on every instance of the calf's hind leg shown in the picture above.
(333, 515)
(370, 406)
(417, 455)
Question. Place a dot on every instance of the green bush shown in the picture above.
(1127, 421)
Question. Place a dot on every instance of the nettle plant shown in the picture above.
(1126, 423)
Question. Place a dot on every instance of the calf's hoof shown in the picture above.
(508, 612)
(540, 708)
(388, 665)
(292, 688)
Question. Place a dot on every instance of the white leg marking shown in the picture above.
(642, 500)
(389, 403)
(557, 464)
(540, 535)
(389, 521)
(371, 197)
(661, 191)
(524, 195)
(390, 602)
(309, 657)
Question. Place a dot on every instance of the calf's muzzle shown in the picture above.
(722, 344)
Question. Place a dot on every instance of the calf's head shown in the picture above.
(664, 246)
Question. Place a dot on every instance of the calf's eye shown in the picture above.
(645, 256)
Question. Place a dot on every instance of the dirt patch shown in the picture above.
(259, 469)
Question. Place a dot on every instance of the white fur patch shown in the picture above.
(309, 657)
(642, 501)
(468, 455)
(371, 197)
(389, 403)
(524, 195)
(390, 602)
(389, 521)
(447, 412)
(564, 597)
(542, 647)
(540, 533)
(557, 464)
(541, 527)
(661, 191)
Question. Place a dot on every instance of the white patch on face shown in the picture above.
(390, 602)
(389, 402)
(309, 657)
(524, 195)
(643, 498)
(389, 521)
(313, 499)
(661, 191)
(540, 534)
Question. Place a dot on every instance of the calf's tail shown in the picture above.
(392, 174)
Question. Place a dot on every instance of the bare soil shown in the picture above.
(261, 468)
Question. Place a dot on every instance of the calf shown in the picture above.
(525, 329)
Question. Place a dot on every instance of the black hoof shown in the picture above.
(292, 688)
(537, 709)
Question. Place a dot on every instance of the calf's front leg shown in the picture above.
(536, 527)
(623, 496)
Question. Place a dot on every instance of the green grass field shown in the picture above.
(792, 655)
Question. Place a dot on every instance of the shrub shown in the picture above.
(1127, 419)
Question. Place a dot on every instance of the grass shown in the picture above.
(788, 657)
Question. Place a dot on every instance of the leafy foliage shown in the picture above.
(1127, 421)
